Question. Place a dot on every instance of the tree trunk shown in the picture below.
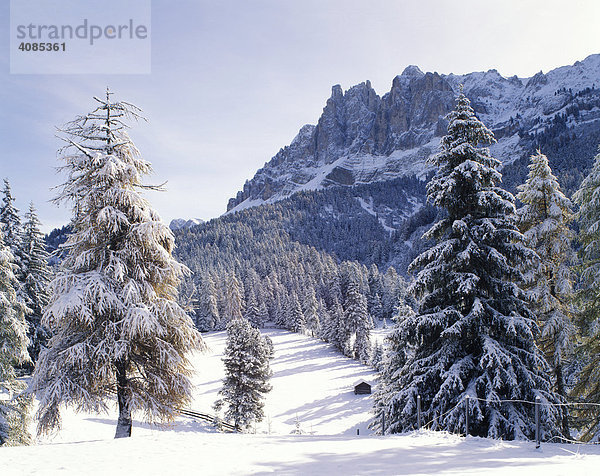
(124, 422)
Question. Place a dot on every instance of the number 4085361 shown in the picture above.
(43, 47)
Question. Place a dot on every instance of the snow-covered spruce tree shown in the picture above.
(207, 314)
(376, 308)
(358, 321)
(335, 331)
(247, 374)
(394, 291)
(113, 312)
(324, 320)
(587, 387)
(36, 278)
(232, 305)
(263, 313)
(9, 217)
(13, 352)
(474, 332)
(296, 322)
(252, 311)
(311, 313)
(393, 359)
(280, 310)
(374, 303)
(543, 220)
(376, 356)
(12, 229)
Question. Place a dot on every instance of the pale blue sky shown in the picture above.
(233, 81)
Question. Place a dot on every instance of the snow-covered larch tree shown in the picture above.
(474, 332)
(117, 328)
(544, 220)
(14, 406)
(247, 374)
(587, 387)
(36, 278)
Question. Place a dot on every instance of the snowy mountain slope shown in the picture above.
(331, 220)
(362, 137)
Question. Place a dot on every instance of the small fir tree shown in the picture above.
(280, 310)
(376, 356)
(247, 374)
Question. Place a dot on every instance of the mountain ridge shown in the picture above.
(362, 137)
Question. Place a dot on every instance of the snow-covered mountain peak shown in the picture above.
(362, 137)
(179, 223)
(336, 92)
(412, 71)
(539, 79)
(305, 133)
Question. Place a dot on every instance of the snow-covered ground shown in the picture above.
(186, 452)
(312, 385)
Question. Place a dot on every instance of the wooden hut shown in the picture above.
(362, 388)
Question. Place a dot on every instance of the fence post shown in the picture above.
(537, 421)
(466, 416)
(418, 412)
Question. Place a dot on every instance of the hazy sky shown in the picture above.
(233, 81)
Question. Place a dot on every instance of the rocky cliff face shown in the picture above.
(364, 138)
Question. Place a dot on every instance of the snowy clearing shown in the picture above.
(312, 384)
(184, 452)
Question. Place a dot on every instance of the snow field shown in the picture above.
(311, 381)
(312, 385)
